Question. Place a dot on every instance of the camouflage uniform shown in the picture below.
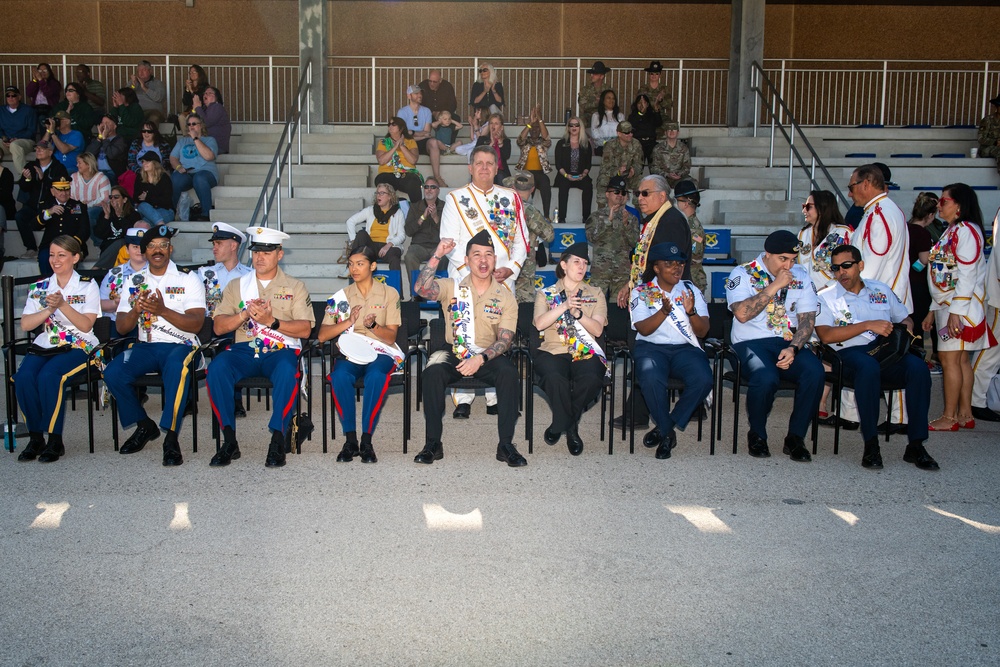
(989, 134)
(588, 100)
(667, 160)
(698, 276)
(665, 107)
(613, 241)
(614, 156)
(538, 228)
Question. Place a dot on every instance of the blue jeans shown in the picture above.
(153, 215)
(202, 182)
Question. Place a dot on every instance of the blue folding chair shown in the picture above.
(718, 247)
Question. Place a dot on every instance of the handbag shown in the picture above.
(887, 350)
(541, 257)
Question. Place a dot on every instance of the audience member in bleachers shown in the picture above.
(687, 197)
(540, 234)
(127, 112)
(44, 91)
(989, 133)
(149, 141)
(194, 86)
(423, 226)
(380, 227)
(654, 88)
(418, 119)
(81, 114)
(65, 306)
(604, 121)
(854, 313)
(8, 208)
(111, 151)
(671, 157)
(397, 156)
(824, 230)
(152, 93)
(368, 312)
(92, 91)
(613, 232)
(89, 186)
(497, 139)
(921, 242)
(534, 143)
(123, 253)
(18, 127)
(61, 215)
(446, 128)
(669, 316)
(590, 94)
(622, 157)
(154, 191)
(117, 280)
(117, 216)
(68, 143)
(193, 160)
(439, 95)
(570, 364)
(487, 92)
(774, 306)
(646, 122)
(217, 124)
(35, 186)
(957, 273)
(573, 160)
(985, 363)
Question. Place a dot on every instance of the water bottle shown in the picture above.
(184, 207)
(569, 112)
(9, 439)
(555, 215)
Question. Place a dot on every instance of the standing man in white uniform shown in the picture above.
(986, 362)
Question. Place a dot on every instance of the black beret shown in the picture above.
(782, 242)
(577, 249)
(158, 232)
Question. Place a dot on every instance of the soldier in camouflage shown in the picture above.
(989, 133)
(656, 91)
(621, 158)
(671, 157)
(539, 229)
(613, 232)
(590, 94)
(687, 196)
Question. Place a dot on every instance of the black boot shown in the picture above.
(275, 451)
(36, 443)
(230, 449)
(367, 451)
(171, 450)
(54, 450)
(350, 449)
(432, 451)
(872, 457)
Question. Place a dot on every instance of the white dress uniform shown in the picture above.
(781, 315)
(182, 291)
(814, 255)
(885, 246)
(875, 301)
(986, 362)
(957, 275)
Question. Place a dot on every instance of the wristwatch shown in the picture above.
(275, 324)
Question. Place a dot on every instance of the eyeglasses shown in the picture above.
(379, 193)
(431, 187)
(115, 197)
(645, 193)
(850, 186)
(808, 207)
(158, 245)
(574, 125)
(843, 265)
(483, 69)
(10, 95)
(147, 131)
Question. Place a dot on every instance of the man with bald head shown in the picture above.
(439, 95)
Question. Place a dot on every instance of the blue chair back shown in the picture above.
(565, 237)
(391, 277)
(719, 279)
(545, 278)
(718, 246)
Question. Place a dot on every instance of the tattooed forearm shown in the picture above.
(747, 309)
(807, 322)
(505, 337)
(426, 285)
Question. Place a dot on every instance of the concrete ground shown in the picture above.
(597, 560)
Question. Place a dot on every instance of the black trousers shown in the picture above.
(569, 386)
(544, 188)
(440, 372)
(585, 184)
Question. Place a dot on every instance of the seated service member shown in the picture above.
(774, 304)
(852, 316)
(168, 306)
(65, 305)
(667, 330)
(269, 311)
(226, 241)
(483, 317)
(117, 280)
(570, 363)
(366, 311)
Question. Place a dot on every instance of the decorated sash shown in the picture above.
(573, 335)
(652, 295)
(944, 258)
(339, 308)
(137, 288)
(778, 321)
(642, 246)
(59, 333)
(213, 292)
(820, 252)
(264, 339)
(116, 282)
(463, 323)
(502, 215)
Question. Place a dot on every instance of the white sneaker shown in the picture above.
(30, 254)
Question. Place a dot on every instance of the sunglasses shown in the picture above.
(619, 192)
(195, 124)
(850, 186)
(645, 193)
(942, 200)
(150, 131)
(484, 69)
(808, 207)
(843, 265)
(574, 125)
(431, 187)
(10, 95)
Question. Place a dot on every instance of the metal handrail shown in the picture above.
(758, 76)
(270, 191)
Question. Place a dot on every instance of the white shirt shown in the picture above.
(993, 271)
(875, 301)
(780, 315)
(647, 298)
(181, 290)
(80, 293)
(884, 242)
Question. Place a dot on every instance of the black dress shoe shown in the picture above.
(667, 443)
(652, 438)
(462, 411)
(348, 453)
(275, 451)
(573, 442)
(985, 414)
(848, 425)
(430, 453)
(796, 449)
(172, 453)
(550, 436)
(619, 421)
(757, 446)
(230, 452)
(368, 454)
(918, 456)
(32, 450)
(240, 412)
(138, 439)
(872, 458)
(52, 453)
(492, 410)
(829, 420)
(894, 428)
(508, 454)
